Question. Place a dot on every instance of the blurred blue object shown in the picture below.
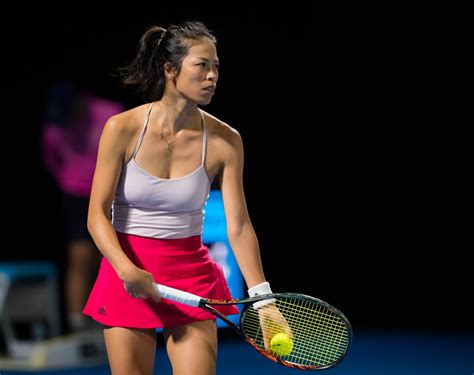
(16, 270)
(29, 305)
(215, 236)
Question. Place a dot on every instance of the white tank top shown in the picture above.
(150, 206)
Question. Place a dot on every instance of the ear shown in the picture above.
(170, 73)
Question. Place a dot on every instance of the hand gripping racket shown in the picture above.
(317, 335)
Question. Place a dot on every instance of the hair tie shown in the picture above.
(162, 36)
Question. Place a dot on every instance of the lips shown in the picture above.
(210, 88)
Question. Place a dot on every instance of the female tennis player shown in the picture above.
(154, 171)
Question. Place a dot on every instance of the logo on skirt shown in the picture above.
(101, 310)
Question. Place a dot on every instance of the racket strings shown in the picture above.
(320, 336)
(305, 353)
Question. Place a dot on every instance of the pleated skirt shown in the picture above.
(179, 263)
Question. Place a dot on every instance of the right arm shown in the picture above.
(111, 155)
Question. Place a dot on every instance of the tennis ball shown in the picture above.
(281, 344)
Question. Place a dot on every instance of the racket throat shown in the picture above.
(224, 318)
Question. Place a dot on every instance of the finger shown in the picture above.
(156, 297)
(266, 342)
(129, 290)
(154, 294)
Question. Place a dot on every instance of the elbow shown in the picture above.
(90, 224)
(234, 232)
(232, 236)
(92, 220)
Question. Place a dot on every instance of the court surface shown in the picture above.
(388, 353)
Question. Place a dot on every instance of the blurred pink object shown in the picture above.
(70, 149)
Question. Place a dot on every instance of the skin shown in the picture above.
(81, 265)
(192, 348)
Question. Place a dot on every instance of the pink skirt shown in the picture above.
(179, 263)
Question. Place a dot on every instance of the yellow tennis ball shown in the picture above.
(281, 344)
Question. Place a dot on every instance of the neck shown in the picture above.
(177, 117)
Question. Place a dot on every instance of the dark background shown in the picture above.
(360, 192)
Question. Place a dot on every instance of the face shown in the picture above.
(199, 73)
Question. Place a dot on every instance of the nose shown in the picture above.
(212, 75)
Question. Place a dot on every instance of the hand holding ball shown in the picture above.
(281, 344)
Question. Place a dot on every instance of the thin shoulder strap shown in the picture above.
(204, 138)
(140, 140)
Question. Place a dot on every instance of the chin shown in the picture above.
(203, 101)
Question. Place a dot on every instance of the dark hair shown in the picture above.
(157, 47)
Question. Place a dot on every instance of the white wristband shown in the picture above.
(258, 290)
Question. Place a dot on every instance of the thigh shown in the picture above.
(130, 351)
(192, 348)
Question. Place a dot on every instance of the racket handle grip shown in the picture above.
(177, 295)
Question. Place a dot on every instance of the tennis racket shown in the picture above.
(317, 334)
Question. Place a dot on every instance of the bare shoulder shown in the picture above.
(221, 132)
(122, 130)
(126, 123)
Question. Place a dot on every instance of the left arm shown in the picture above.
(240, 232)
(243, 239)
